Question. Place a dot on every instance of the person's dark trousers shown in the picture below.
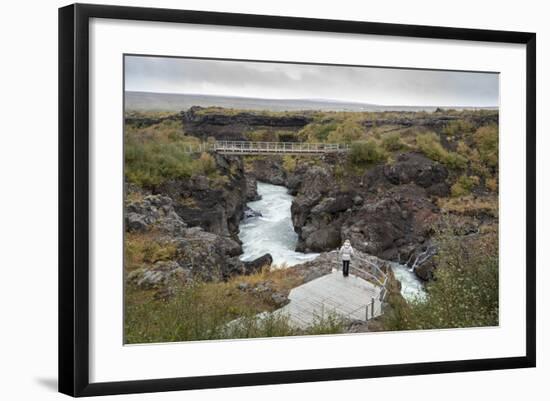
(345, 268)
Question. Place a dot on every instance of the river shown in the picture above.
(273, 233)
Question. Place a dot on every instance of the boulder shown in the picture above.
(322, 240)
(332, 205)
(136, 222)
(279, 299)
(258, 263)
(249, 213)
(416, 168)
(160, 275)
(153, 211)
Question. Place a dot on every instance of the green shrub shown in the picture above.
(346, 132)
(206, 164)
(367, 152)
(289, 163)
(465, 292)
(464, 185)
(486, 140)
(430, 145)
(316, 132)
(392, 142)
(458, 127)
(150, 163)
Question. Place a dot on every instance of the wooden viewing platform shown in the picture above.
(357, 297)
(259, 148)
(332, 295)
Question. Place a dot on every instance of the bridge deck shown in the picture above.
(332, 294)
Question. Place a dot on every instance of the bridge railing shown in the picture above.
(276, 147)
(245, 147)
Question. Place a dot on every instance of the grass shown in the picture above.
(347, 131)
(464, 185)
(202, 311)
(430, 145)
(146, 249)
(367, 153)
(486, 140)
(316, 132)
(392, 142)
(153, 158)
(458, 127)
(161, 152)
(470, 205)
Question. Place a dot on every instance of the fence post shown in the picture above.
(367, 312)
(372, 307)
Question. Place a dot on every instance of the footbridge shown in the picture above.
(261, 148)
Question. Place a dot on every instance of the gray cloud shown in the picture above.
(385, 86)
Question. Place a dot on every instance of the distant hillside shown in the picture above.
(150, 101)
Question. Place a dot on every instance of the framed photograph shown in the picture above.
(251, 199)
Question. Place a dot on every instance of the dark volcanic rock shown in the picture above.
(315, 183)
(322, 240)
(252, 189)
(415, 168)
(153, 211)
(257, 264)
(269, 169)
(140, 121)
(216, 207)
(436, 121)
(233, 126)
(338, 203)
(390, 225)
(158, 276)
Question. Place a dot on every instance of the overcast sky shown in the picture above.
(383, 86)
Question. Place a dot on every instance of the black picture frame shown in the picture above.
(74, 198)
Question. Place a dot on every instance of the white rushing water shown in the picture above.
(272, 232)
(411, 287)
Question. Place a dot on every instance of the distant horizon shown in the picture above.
(313, 99)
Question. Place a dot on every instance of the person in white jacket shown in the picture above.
(346, 253)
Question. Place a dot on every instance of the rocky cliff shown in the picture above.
(388, 210)
(224, 125)
(198, 220)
